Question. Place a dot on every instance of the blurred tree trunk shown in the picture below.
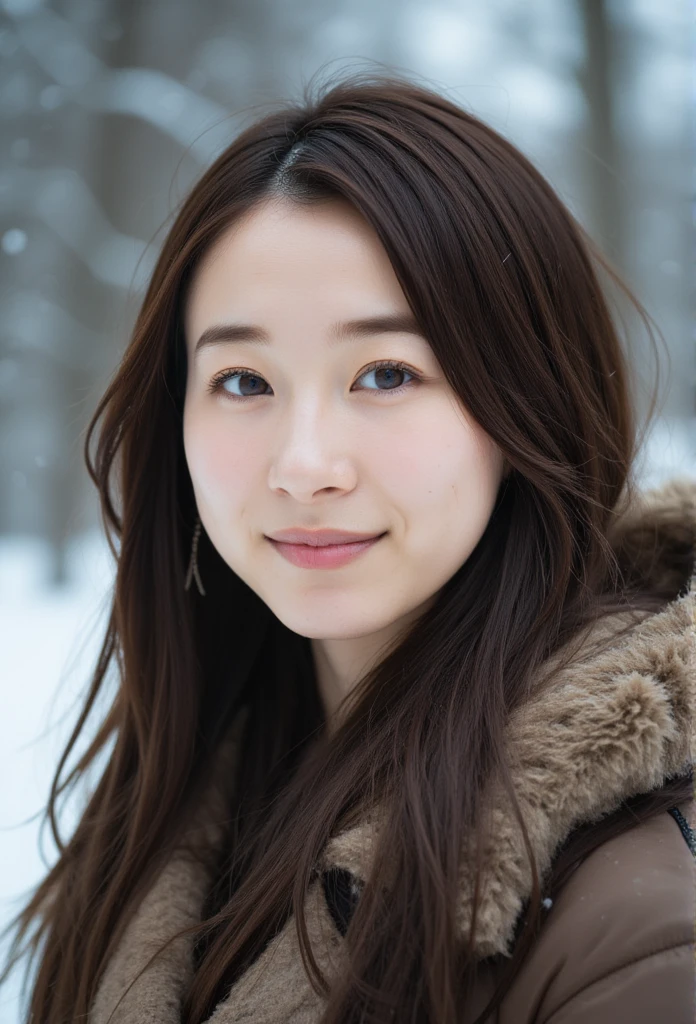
(638, 173)
(596, 79)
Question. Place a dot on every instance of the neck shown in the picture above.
(341, 662)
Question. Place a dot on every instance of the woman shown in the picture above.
(406, 665)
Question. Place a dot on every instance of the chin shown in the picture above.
(324, 627)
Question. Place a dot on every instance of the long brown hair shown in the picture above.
(506, 287)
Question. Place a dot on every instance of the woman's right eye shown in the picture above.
(234, 378)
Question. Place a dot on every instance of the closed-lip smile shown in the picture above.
(320, 538)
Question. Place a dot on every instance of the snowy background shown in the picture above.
(110, 110)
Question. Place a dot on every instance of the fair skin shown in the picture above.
(316, 440)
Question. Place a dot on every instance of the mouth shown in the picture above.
(323, 556)
(320, 538)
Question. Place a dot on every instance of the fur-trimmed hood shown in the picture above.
(617, 721)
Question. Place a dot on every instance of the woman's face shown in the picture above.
(288, 424)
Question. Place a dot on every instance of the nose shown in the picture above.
(312, 455)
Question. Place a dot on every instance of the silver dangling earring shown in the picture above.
(193, 562)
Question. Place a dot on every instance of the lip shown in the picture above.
(320, 538)
(323, 556)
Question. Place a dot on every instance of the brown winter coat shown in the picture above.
(617, 945)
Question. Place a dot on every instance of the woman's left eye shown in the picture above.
(386, 371)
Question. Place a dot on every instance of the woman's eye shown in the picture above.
(388, 373)
(248, 390)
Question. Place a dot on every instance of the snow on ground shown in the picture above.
(49, 640)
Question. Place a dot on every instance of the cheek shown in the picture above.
(439, 463)
(219, 466)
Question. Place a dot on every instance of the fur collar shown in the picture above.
(615, 723)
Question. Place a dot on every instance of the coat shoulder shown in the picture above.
(618, 942)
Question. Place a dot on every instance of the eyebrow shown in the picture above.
(349, 330)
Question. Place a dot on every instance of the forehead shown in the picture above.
(290, 258)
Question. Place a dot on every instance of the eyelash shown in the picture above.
(220, 378)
